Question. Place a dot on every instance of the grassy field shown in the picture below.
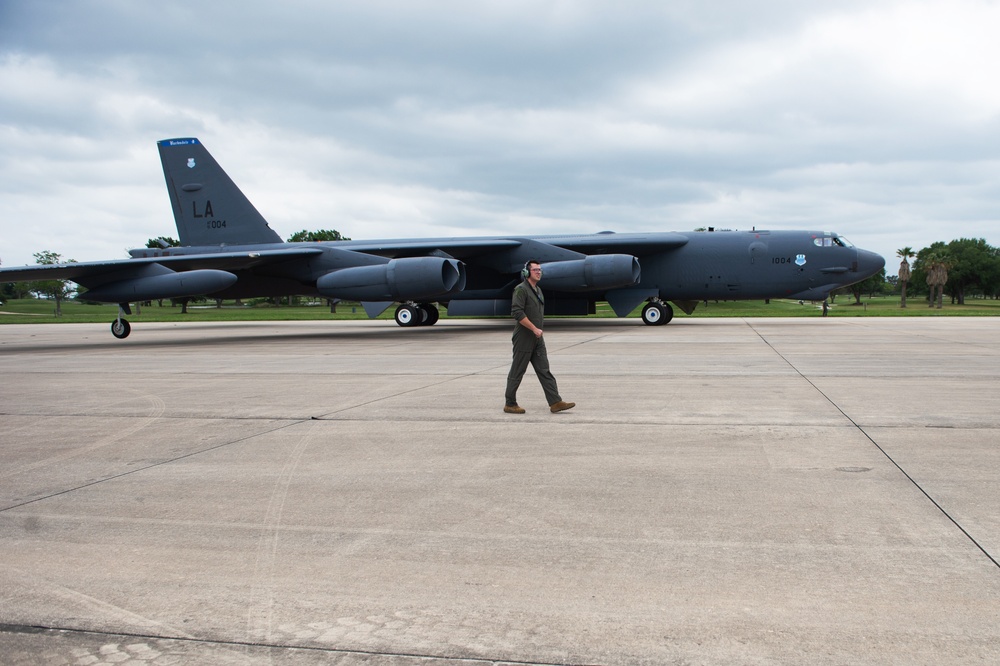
(43, 312)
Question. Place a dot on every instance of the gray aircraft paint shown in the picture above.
(228, 250)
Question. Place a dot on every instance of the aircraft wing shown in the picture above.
(232, 260)
(459, 248)
(80, 271)
(610, 242)
(575, 263)
(469, 248)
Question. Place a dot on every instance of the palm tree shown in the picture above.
(905, 254)
(937, 277)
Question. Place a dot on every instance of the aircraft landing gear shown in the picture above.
(120, 328)
(407, 315)
(657, 313)
(431, 314)
(414, 314)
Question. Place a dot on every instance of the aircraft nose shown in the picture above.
(869, 263)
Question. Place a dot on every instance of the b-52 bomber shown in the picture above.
(228, 250)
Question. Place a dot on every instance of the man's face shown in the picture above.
(535, 272)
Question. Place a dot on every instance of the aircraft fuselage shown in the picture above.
(228, 250)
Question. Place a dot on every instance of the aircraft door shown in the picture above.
(758, 253)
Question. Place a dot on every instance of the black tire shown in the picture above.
(657, 314)
(407, 315)
(431, 314)
(120, 328)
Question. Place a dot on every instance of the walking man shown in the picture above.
(528, 310)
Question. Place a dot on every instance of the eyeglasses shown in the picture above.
(536, 270)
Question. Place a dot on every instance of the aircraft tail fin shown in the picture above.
(209, 208)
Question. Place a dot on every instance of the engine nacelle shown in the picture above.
(406, 279)
(599, 271)
(166, 285)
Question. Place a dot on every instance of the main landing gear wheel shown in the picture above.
(657, 314)
(120, 328)
(431, 314)
(413, 314)
(408, 315)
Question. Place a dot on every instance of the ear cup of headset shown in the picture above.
(525, 272)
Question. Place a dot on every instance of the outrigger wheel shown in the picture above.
(120, 328)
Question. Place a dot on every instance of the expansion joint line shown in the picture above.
(287, 648)
(158, 463)
(885, 453)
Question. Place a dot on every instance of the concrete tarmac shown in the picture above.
(727, 491)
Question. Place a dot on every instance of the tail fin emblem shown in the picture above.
(190, 163)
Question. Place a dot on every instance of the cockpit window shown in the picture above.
(832, 241)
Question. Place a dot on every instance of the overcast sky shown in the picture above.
(879, 120)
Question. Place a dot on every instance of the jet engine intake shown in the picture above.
(599, 271)
(406, 279)
(166, 285)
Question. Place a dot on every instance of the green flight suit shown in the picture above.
(529, 302)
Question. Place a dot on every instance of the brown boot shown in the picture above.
(561, 406)
(513, 409)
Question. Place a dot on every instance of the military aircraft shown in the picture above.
(228, 250)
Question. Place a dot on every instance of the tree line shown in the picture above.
(962, 268)
(965, 267)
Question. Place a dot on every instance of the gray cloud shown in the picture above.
(385, 119)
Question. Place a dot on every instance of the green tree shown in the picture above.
(869, 286)
(14, 290)
(971, 262)
(56, 289)
(922, 264)
(905, 254)
(937, 278)
(161, 242)
(891, 284)
(316, 236)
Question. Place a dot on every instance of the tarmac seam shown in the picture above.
(152, 465)
(944, 341)
(477, 418)
(885, 453)
(450, 378)
(9, 628)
